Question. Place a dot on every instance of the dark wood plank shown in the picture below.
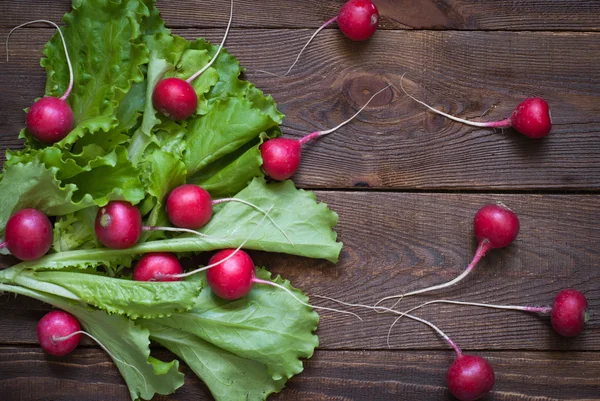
(395, 143)
(27, 374)
(574, 15)
(400, 242)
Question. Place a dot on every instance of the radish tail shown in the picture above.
(70, 87)
(216, 202)
(384, 309)
(207, 66)
(301, 51)
(482, 249)
(329, 131)
(259, 281)
(506, 123)
(105, 350)
(183, 275)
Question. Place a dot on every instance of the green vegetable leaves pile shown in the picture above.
(121, 149)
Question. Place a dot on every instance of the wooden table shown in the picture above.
(406, 184)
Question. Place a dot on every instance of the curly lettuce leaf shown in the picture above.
(267, 325)
(75, 231)
(124, 297)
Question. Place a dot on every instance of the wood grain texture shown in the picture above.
(571, 15)
(395, 143)
(395, 242)
(26, 374)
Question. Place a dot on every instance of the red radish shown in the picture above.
(157, 266)
(470, 377)
(191, 206)
(55, 325)
(28, 234)
(118, 225)
(50, 119)
(569, 312)
(176, 97)
(495, 226)
(358, 20)
(281, 156)
(531, 117)
(231, 275)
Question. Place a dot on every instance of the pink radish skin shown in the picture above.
(28, 234)
(189, 206)
(57, 324)
(470, 377)
(175, 97)
(50, 119)
(118, 225)
(569, 312)
(531, 117)
(157, 266)
(233, 278)
(495, 226)
(358, 19)
(281, 156)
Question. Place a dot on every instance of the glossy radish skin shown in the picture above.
(496, 224)
(189, 206)
(50, 119)
(28, 234)
(532, 118)
(118, 225)
(358, 19)
(569, 312)
(175, 98)
(470, 377)
(57, 324)
(233, 278)
(157, 266)
(281, 157)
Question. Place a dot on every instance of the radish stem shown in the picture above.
(70, 87)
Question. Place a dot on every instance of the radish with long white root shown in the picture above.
(232, 275)
(531, 117)
(59, 333)
(281, 156)
(191, 206)
(175, 97)
(568, 313)
(50, 119)
(157, 266)
(496, 226)
(28, 234)
(357, 19)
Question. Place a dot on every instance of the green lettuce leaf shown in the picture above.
(125, 297)
(127, 343)
(267, 325)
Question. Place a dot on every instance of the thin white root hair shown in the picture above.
(259, 281)
(261, 210)
(105, 350)
(191, 273)
(207, 66)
